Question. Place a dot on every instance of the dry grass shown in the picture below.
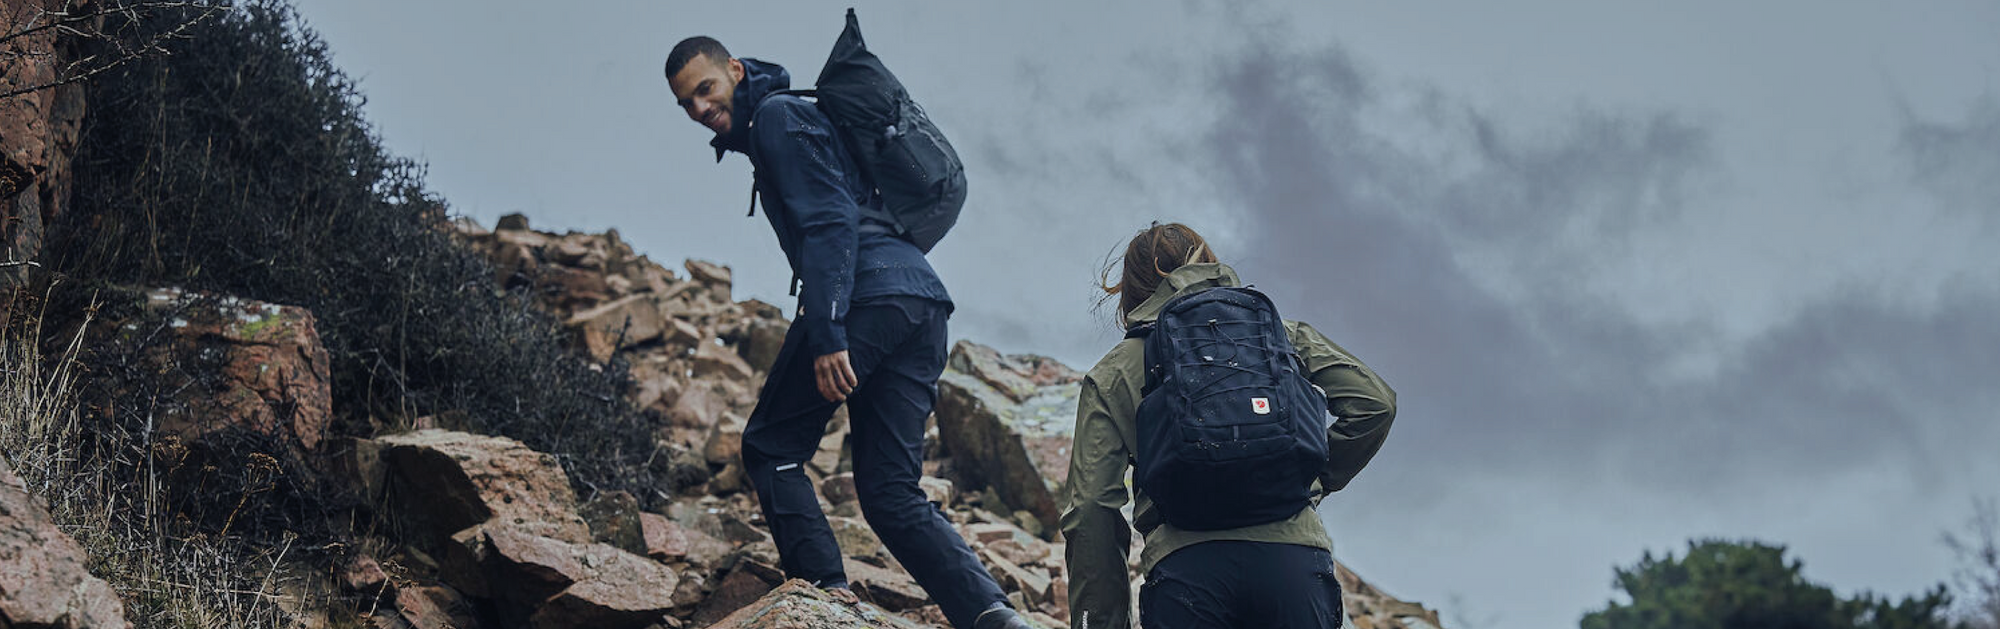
(107, 493)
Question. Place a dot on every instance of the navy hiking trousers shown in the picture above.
(897, 348)
(1242, 585)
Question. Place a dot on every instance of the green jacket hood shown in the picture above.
(1187, 279)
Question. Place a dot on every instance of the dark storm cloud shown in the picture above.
(1857, 381)
(1960, 163)
(1351, 228)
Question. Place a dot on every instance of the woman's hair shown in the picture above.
(1153, 253)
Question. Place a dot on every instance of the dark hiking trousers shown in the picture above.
(1242, 585)
(897, 348)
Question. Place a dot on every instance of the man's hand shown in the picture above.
(835, 376)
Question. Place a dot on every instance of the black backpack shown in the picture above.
(1232, 432)
(901, 153)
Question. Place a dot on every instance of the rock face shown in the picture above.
(43, 582)
(799, 605)
(509, 529)
(274, 369)
(560, 585)
(1008, 421)
(1370, 608)
(38, 134)
(712, 275)
(626, 322)
(615, 519)
(227, 365)
(735, 591)
(426, 607)
(679, 335)
(450, 481)
(1028, 568)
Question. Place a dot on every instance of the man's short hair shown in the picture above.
(688, 49)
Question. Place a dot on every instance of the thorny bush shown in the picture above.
(241, 165)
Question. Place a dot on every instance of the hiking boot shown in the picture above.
(1000, 617)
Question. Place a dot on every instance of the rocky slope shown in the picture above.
(479, 530)
(997, 456)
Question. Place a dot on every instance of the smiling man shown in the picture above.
(870, 332)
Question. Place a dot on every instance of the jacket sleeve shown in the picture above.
(801, 161)
(1362, 404)
(1098, 539)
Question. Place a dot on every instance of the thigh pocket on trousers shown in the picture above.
(1329, 588)
(792, 492)
(1172, 604)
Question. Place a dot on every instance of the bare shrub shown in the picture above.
(1978, 574)
(122, 29)
(241, 165)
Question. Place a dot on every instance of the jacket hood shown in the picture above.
(1187, 279)
(760, 78)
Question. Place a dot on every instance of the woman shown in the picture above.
(1272, 575)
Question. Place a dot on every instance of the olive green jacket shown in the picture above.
(1097, 536)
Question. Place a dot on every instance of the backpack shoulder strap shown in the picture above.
(766, 98)
(753, 115)
(1143, 331)
(889, 224)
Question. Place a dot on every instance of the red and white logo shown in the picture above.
(1260, 406)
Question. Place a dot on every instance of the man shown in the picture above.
(870, 332)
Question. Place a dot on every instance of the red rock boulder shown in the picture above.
(445, 482)
(233, 365)
(43, 582)
(1008, 422)
(798, 605)
(38, 134)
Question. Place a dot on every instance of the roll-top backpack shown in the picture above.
(900, 152)
(1232, 432)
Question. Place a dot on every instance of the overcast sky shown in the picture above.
(1639, 272)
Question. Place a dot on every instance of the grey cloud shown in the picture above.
(1361, 236)
(997, 157)
(1959, 162)
(1856, 381)
(1349, 229)
(1604, 176)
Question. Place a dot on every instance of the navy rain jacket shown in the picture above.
(812, 194)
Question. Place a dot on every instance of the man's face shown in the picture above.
(706, 90)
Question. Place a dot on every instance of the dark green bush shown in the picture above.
(1751, 585)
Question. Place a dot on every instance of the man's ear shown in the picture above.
(735, 70)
